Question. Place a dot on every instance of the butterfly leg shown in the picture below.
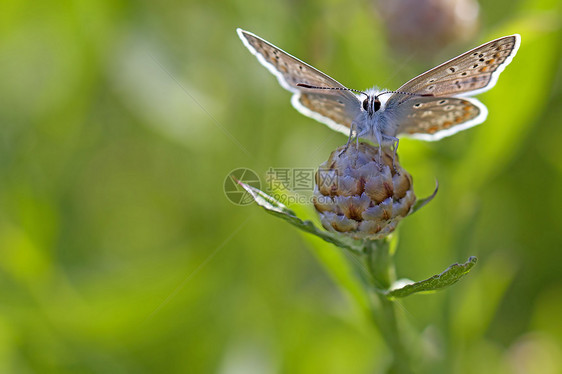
(382, 140)
(396, 141)
(389, 141)
(350, 139)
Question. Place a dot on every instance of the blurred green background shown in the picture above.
(119, 252)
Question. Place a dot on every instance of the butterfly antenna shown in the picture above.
(330, 88)
(405, 93)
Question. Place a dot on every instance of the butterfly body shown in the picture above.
(374, 122)
(428, 107)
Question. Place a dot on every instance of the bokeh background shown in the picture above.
(119, 252)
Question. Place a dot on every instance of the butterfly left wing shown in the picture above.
(335, 108)
(432, 118)
(325, 108)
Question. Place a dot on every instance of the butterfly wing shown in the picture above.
(471, 73)
(432, 118)
(440, 115)
(335, 108)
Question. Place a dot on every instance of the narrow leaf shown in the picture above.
(275, 207)
(420, 203)
(450, 276)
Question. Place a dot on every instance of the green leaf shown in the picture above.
(276, 208)
(450, 276)
(420, 203)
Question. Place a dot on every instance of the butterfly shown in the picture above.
(430, 106)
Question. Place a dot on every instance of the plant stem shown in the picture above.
(381, 268)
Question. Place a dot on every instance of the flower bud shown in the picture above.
(362, 193)
(425, 27)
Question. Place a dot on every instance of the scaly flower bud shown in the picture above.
(360, 195)
(425, 27)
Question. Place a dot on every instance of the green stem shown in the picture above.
(381, 268)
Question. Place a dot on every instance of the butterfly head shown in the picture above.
(371, 104)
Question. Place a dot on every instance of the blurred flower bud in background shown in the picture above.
(361, 196)
(427, 26)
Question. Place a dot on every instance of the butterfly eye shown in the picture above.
(377, 104)
(366, 104)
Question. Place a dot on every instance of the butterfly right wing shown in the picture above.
(470, 73)
(439, 115)
(433, 118)
(335, 108)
